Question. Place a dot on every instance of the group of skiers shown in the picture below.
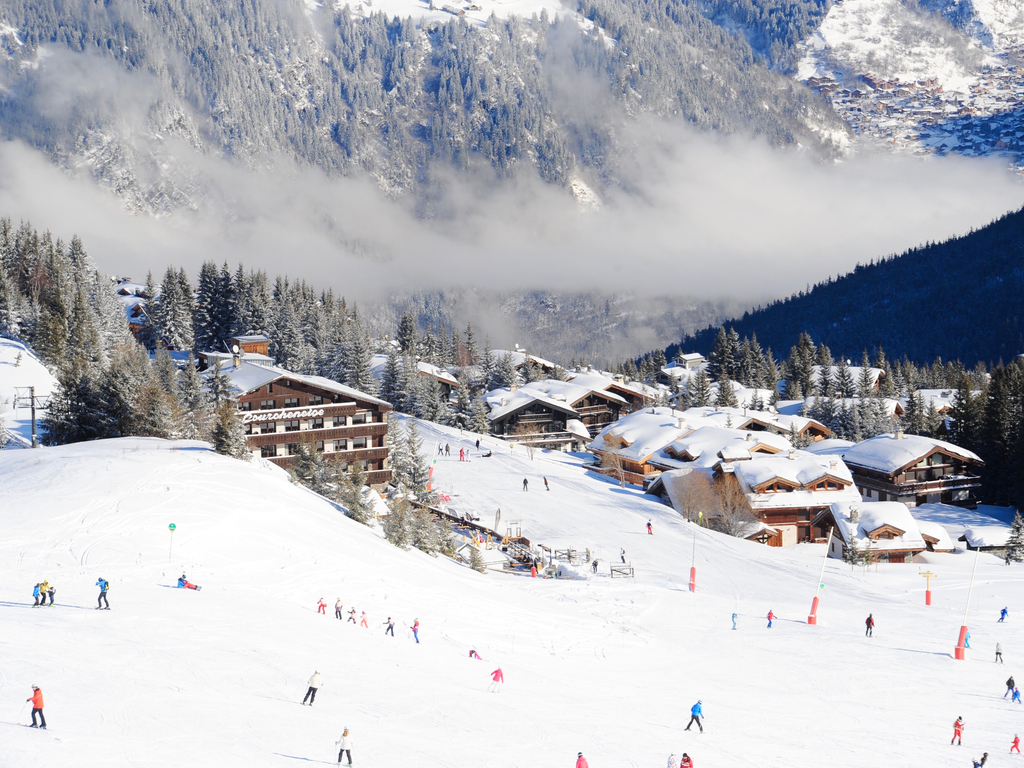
(40, 591)
(321, 607)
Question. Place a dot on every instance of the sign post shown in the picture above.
(813, 617)
(172, 528)
(928, 576)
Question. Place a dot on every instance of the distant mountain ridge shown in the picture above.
(960, 299)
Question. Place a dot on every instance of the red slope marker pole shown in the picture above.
(693, 566)
(813, 617)
(961, 643)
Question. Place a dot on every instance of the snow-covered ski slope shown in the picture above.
(171, 677)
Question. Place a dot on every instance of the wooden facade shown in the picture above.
(932, 477)
(280, 414)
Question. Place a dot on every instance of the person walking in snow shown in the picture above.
(673, 761)
(526, 484)
(314, 685)
(696, 713)
(1003, 614)
(462, 454)
(581, 761)
(999, 653)
(104, 585)
(622, 554)
(650, 530)
(440, 450)
(43, 589)
(734, 621)
(1016, 744)
(958, 731)
(391, 627)
(981, 763)
(497, 678)
(352, 616)
(36, 590)
(345, 743)
(770, 617)
(37, 707)
(362, 622)
(686, 762)
(337, 608)
(50, 590)
(869, 626)
(447, 450)
(321, 607)
(416, 630)
(1010, 685)
(546, 486)
(594, 564)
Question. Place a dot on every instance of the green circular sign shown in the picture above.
(821, 586)
(171, 527)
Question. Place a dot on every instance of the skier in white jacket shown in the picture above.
(314, 683)
(673, 761)
(345, 742)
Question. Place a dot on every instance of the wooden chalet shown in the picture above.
(281, 409)
(551, 413)
(884, 531)
(626, 449)
(915, 470)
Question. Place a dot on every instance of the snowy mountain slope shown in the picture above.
(20, 368)
(170, 677)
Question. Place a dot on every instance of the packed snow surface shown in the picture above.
(609, 667)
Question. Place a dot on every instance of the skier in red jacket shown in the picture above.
(1016, 744)
(770, 617)
(958, 730)
(37, 707)
(581, 761)
(686, 761)
(497, 678)
(321, 607)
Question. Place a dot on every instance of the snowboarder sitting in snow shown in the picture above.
(488, 455)
(474, 655)
(981, 763)
(184, 583)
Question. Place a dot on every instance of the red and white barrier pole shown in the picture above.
(813, 617)
(693, 566)
(961, 643)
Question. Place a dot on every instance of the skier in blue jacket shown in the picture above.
(696, 713)
(1003, 614)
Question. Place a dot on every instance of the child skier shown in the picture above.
(497, 678)
(363, 623)
(673, 762)
(770, 617)
(1016, 744)
(1016, 695)
(35, 594)
(37, 707)
(650, 530)
(50, 590)
(104, 585)
(981, 763)
(345, 742)
(869, 625)
(958, 731)
(1004, 613)
(391, 627)
(352, 616)
(321, 607)
(314, 685)
(696, 712)
(337, 609)
(416, 630)
(474, 655)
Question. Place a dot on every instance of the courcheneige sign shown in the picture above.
(283, 413)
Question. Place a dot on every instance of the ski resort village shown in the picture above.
(242, 525)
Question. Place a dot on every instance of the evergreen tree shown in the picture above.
(150, 334)
(193, 402)
(228, 432)
(698, 389)
(476, 560)
(407, 334)
(419, 465)
(219, 384)
(844, 384)
(10, 307)
(207, 318)
(472, 353)
(398, 524)
(478, 421)
(398, 453)
(312, 470)
(726, 395)
(127, 376)
(505, 374)
(390, 381)
(76, 410)
(426, 535)
(463, 408)
(1015, 542)
(353, 496)
(721, 361)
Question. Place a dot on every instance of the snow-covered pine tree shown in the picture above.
(155, 410)
(826, 377)
(845, 386)
(398, 524)
(505, 373)
(124, 379)
(219, 384)
(166, 370)
(472, 353)
(10, 307)
(312, 470)
(398, 453)
(478, 421)
(726, 397)
(228, 433)
(407, 333)
(193, 402)
(150, 333)
(426, 536)
(419, 464)
(408, 382)
(76, 410)
(206, 318)
(83, 341)
(353, 495)
(390, 380)
(488, 365)
(1015, 542)
(476, 560)
(463, 407)
(721, 362)
(698, 389)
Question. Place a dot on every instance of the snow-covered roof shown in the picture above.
(602, 381)
(378, 362)
(519, 358)
(245, 377)
(560, 394)
(707, 445)
(799, 469)
(872, 515)
(886, 453)
(744, 418)
(942, 399)
(943, 541)
(986, 535)
(134, 288)
(256, 338)
(834, 445)
(638, 435)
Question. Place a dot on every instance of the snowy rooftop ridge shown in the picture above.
(245, 377)
(889, 453)
(872, 515)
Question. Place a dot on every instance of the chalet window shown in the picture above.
(291, 402)
(316, 424)
(319, 445)
(316, 400)
(267, 405)
(341, 445)
(268, 427)
(293, 448)
(246, 406)
(248, 429)
(270, 388)
(291, 426)
(339, 421)
(359, 418)
(268, 451)
(359, 442)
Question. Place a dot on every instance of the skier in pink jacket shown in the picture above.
(497, 678)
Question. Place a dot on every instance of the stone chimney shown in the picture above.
(854, 514)
(899, 434)
(750, 437)
(792, 455)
